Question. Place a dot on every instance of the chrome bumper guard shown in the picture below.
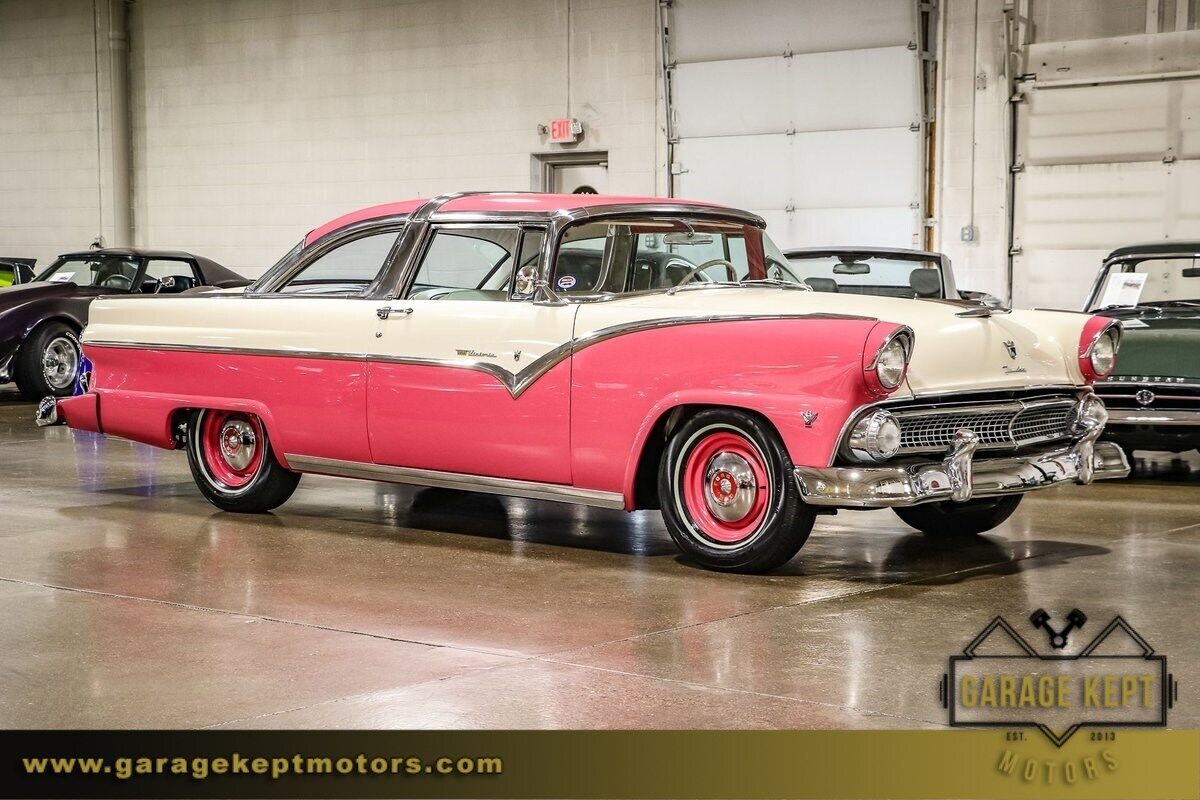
(959, 477)
(47, 413)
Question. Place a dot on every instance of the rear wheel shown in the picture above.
(728, 496)
(233, 465)
(948, 518)
(48, 362)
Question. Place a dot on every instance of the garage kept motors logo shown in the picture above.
(1002, 681)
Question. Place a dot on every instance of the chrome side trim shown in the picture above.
(455, 480)
(516, 383)
(237, 351)
(1150, 416)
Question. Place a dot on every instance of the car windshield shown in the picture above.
(103, 271)
(1151, 282)
(870, 273)
(659, 253)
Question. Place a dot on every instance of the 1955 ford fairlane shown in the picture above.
(618, 352)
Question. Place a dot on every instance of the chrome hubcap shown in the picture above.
(60, 363)
(731, 487)
(237, 444)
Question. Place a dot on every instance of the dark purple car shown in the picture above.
(40, 321)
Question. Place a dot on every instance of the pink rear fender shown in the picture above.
(307, 405)
(805, 376)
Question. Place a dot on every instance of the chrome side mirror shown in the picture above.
(544, 295)
(526, 281)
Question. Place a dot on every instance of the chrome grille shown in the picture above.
(1009, 425)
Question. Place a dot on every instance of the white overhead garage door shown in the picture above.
(1104, 166)
(807, 112)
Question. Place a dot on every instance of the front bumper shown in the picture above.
(959, 477)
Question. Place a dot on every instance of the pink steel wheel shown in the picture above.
(726, 487)
(232, 445)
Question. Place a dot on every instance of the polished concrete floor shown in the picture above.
(127, 601)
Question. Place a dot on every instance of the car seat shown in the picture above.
(925, 282)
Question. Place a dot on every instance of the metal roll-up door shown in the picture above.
(1100, 166)
(806, 112)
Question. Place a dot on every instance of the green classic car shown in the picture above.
(1153, 397)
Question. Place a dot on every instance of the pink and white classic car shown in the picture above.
(628, 353)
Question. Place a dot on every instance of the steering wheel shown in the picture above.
(117, 282)
(730, 270)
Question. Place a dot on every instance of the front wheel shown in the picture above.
(233, 465)
(948, 518)
(728, 496)
(48, 362)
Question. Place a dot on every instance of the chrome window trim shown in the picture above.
(327, 244)
(455, 480)
(433, 227)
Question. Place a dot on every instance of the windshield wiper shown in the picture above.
(782, 284)
(1186, 303)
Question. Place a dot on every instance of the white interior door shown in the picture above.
(806, 112)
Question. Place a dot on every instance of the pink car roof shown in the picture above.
(527, 202)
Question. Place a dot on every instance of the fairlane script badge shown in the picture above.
(1114, 681)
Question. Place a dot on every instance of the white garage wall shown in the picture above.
(49, 172)
(255, 120)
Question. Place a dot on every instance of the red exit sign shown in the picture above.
(565, 130)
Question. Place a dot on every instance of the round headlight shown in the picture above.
(1104, 353)
(889, 366)
(875, 437)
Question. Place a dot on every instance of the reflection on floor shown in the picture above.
(129, 601)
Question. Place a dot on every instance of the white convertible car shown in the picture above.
(619, 352)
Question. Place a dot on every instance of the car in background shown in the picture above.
(1154, 397)
(40, 320)
(610, 351)
(16, 270)
(882, 272)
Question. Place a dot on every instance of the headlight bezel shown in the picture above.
(879, 372)
(1099, 333)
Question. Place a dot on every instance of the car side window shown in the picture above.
(8, 275)
(348, 268)
(169, 276)
(652, 254)
(466, 262)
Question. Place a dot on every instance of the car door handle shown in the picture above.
(385, 312)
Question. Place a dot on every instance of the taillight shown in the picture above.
(886, 356)
(1098, 346)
